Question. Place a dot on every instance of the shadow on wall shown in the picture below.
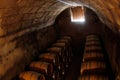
(23, 49)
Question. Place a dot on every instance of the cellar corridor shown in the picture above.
(93, 64)
(74, 71)
(59, 39)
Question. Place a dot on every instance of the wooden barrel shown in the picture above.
(57, 50)
(31, 75)
(62, 45)
(66, 37)
(68, 45)
(50, 57)
(93, 77)
(92, 39)
(42, 67)
(56, 75)
(62, 69)
(93, 65)
(69, 59)
(92, 43)
(87, 48)
(89, 36)
(64, 41)
(93, 56)
(65, 61)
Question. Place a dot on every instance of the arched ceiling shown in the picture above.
(107, 10)
(21, 16)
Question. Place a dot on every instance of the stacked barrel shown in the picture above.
(62, 48)
(93, 66)
(37, 69)
(52, 64)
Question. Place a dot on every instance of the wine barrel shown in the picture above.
(66, 37)
(57, 50)
(62, 69)
(62, 45)
(92, 43)
(64, 61)
(89, 40)
(56, 75)
(31, 75)
(89, 45)
(93, 65)
(93, 77)
(93, 54)
(68, 45)
(93, 48)
(50, 57)
(64, 41)
(67, 61)
(91, 36)
(42, 67)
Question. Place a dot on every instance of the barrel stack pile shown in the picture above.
(93, 66)
(52, 64)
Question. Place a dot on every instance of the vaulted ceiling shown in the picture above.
(107, 10)
(21, 16)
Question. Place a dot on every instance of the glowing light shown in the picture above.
(77, 14)
(78, 20)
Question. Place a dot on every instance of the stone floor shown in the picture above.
(74, 70)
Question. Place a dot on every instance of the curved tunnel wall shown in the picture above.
(23, 32)
(16, 15)
(17, 53)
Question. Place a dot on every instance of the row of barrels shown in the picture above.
(52, 64)
(93, 66)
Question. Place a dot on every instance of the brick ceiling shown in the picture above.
(20, 16)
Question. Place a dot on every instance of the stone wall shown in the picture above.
(20, 51)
